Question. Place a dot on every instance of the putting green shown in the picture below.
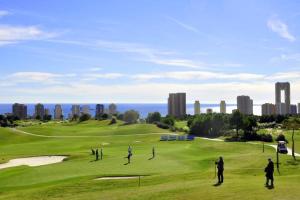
(180, 170)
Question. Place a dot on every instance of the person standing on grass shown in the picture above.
(97, 154)
(153, 152)
(101, 154)
(269, 173)
(220, 166)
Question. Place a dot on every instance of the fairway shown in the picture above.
(180, 170)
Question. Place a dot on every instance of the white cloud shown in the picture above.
(90, 77)
(4, 13)
(14, 34)
(184, 25)
(95, 69)
(281, 29)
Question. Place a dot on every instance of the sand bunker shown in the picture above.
(33, 161)
(117, 177)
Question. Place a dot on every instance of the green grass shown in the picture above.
(181, 170)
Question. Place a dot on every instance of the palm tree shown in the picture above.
(293, 124)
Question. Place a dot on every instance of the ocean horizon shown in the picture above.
(142, 108)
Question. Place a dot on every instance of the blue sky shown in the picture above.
(140, 50)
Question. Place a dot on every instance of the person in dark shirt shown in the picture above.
(269, 173)
(220, 166)
(97, 154)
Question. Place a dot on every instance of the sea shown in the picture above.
(142, 108)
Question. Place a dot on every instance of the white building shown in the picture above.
(85, 109)
(245, 105)
(112, 109)
(75, 110)
(223, 107)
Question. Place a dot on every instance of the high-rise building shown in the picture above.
(112, 109)
(47, 111)
(293, 109)
(268, 109)
(19, 110)
(39, 111)
(75, 110)
(58, 112)
(177, 104)
(245, 105)
(99, 110)
(85, 109)
(222, 107)
(197, 108)
(285, 108)
(298, 108)
(209, 111)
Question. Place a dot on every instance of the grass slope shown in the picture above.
(181, 170)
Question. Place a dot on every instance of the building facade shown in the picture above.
(19, 110)
(283, 107)
(85, 109)
(298, 108)
(99, 110)
(223, 107)
(293, 109)
(268, 109)
(75, 110)
(177, 104)
(112, 109)
(58, 115)
(197, 108)
(39, 111)
(245, 105)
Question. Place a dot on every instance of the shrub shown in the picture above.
(162, 125)
(281, 137)
(131, 116)
(84, 117)
(113, 121)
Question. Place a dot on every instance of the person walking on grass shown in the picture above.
(153, 152)
(97, 154)
(129, 153)
(220, 167)
(269, 170)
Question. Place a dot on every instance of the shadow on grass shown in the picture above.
(270, 187)
(293, 162)
(217, 184)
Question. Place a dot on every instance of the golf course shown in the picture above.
(179, 170)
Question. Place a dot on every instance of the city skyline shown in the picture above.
(52, 56)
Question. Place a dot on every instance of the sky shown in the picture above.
(138, 51)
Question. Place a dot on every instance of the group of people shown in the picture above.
(269, 170)
(129, 155)
(96, 153)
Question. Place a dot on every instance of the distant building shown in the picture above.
(177, 104)
(197, 108)
(75, 110)
(39, 111)
(293, 109)
(47, 111)
(298, 108)
(85, 109)
(112, 109)
(223, 107)
(99, 110)
(19, 110)
(58, 115)
(282, 108)
(245, 105)
(209, 111)
(268, 109)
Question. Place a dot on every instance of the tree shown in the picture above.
(292, 123)
(84, 117)
(201, 125)
(153, 117)
(236, 121)
(131, 116)
(47, 117)
(169, 120)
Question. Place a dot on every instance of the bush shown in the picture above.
(131, 116)
(153, 117)
(113, 121)
(266, 138)
(281, 137)
(84, 117)
(162, 125)
(168, 120)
